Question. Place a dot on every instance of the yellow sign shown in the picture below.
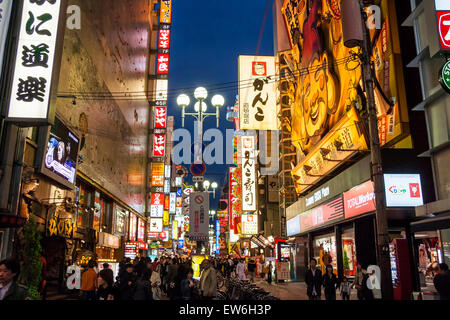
(166, 11)
(175, 230)
(196, 261)
(61, 227)
(157, 174)
(343, 141)
(166, 218)
(327, 85)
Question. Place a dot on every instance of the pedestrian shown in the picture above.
(105, 285)
(251, 270)
(143, 291)
(329, 283)
(269, 273)
(442, 282)
(172, 272)
(208, 281)
(258, 268)
(188, 289)
(345, 289)
(357, 284)
(366, 292)
(128, 283)
(89, 282)
(155, 281)
(313, 280)
(108, 270)
(43, 285)
(240, 270)
(9, 288)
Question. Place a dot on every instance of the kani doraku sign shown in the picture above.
(36, 68)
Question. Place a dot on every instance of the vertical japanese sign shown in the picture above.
(5, 15)
(160, 117)
(443, 22)
(217, 237)
(141, 230)
(248, 173)
(132, 230)
(164, 37)
(36, 70)
(159, 145)
(257, 93)
(235, 203)
(166, 11)
(162, 66)
(157, 205)
(157, 174)
(199, 216)
(173, 203)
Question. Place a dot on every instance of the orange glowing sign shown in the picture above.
(157, 174)
(166, 11)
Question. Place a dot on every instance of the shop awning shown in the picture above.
(431, 224)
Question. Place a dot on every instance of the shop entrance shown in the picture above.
(54, 250)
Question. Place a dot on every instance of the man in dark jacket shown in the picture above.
(128, 283)
(9, 288)
(442, 282)
(313, 279)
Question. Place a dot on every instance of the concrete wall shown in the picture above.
(109, 57)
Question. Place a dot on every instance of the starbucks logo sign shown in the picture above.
(444, 77)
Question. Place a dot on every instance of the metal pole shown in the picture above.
(377, 169)
(199, 153)
(182, 116)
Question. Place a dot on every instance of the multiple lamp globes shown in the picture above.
(200, 94)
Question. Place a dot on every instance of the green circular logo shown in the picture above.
(444, 78)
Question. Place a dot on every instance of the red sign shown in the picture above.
(141, 231)
(159, 145)
(164, 39)
(160, 117)
(162, 64)
(166, 202)
(152, 235)
(322, 215)
(143, 245)
(359, 200)
(414, 190)
(235, 200)
(443, 18)
(157, 199)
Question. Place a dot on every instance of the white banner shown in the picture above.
(33, 71)
(249, 177)
(173, 202)
(5, 14)
(257, 93)
(249, 224)
(199, 216)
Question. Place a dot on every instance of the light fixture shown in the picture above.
(183, 100)
(200, 93)
(197, 106)
(212, 212)
(218, 101)
(214, 185)
(206, 184)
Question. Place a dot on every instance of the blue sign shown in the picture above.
(179, 192)
(217, 237)
(180, 243)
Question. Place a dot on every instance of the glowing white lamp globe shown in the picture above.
(214, 185)
(197, 106)
(183, 100)
(206, 184)
(200, 93)
(218, 100)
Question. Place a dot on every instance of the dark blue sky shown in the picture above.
(207, 37)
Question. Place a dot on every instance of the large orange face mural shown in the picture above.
(327, 80)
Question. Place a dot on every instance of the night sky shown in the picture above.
(207, 37)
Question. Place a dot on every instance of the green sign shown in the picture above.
(444, 77)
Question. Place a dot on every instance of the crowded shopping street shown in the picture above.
(225, 158)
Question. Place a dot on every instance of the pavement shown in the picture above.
(293, 290)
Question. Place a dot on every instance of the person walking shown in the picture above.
(313, 280)
(187, 287)
(357, 284)
(329, 283)
(208, 281)
(128, 283)
(240, 270)
(366, 292)
(172, 271)
(269, 273)
(155, 282)
(108, 270)
(251, 270)
(442, 282)
(143, 291)
(105, 290)
(89, 282)
(258, 268)
(345, 289)
(10, 290)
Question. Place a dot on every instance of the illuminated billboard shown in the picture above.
(325, 88)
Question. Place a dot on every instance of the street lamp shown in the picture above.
(200, 108)
(207, 184)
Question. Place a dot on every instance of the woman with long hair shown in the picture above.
(330, 283)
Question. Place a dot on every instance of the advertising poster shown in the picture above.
(321, 215)
(249, 224)
(196, 262)
(403, 190)
(97, 211)
(61, 154)
(121, 221)
(359, 200)
(133, 227)
(199, 216)
(257, 98)
(249, 176)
